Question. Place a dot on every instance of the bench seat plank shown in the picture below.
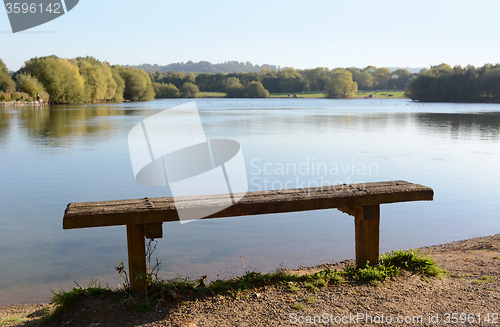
(157, 210)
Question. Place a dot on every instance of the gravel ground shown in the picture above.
(468, 296)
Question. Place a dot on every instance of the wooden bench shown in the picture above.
(144, 217)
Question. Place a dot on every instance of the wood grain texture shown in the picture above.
(367, 234)
(156, 210)
(136, 257)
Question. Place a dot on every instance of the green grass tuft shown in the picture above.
(298, 306)
(12, 321)
(62, 300)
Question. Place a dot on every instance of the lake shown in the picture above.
(52, 156)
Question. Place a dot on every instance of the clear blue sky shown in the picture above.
(300, 34)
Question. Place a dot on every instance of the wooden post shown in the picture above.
(136, 256)
(367, 226)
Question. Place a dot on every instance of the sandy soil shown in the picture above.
(468, 296)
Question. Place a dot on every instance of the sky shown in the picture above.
(299, 34)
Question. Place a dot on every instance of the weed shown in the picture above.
(291, 286)
(243, 262)
(412, 260)
(464, 275)
(485, 280)
(372, 274)
(298, 306)
(310, 300)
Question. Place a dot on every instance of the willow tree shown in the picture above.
(120, 84)
(60, 78)
(99, 81)
(6, 82)
(95, 81)
(31, 85)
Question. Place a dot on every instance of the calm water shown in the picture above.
(57, 155)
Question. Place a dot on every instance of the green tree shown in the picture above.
(234, 89)
(363, 78)
(120, 84)
(110, 81)
(290, 80)
(271, 82)
(30, 85)
(6, 82)
(400, 78)
(166, 90)
(339, 84)
(256, 90)
(442, 83)
(99, 81)
(489, 82)
(95, 81)
(60, 78)
(3, 67)
(173, 77)
(189, 78)
(189, 90)
(370, 69)
(315, 78)
(382, 76)
(138, 86)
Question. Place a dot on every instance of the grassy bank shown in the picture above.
(211, 95)
(313, 94)
(380, 94)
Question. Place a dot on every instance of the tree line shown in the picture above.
(207, 67)
(287, 80)
(76, 80)
(442, 83)
(85, 79)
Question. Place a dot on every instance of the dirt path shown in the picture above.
(469, 295)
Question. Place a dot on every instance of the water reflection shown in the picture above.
(484, 125)
(5, 117)
(53, 126)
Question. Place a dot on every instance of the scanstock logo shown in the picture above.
(171, 147)
(30, 13)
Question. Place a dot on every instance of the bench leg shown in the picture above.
(136, 256)
(367, 226)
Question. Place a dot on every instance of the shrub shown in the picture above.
(234, 89)
(5, 96)
(256, 90)
(189, 90)
(166, 90)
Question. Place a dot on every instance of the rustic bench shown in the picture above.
(144, 217)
